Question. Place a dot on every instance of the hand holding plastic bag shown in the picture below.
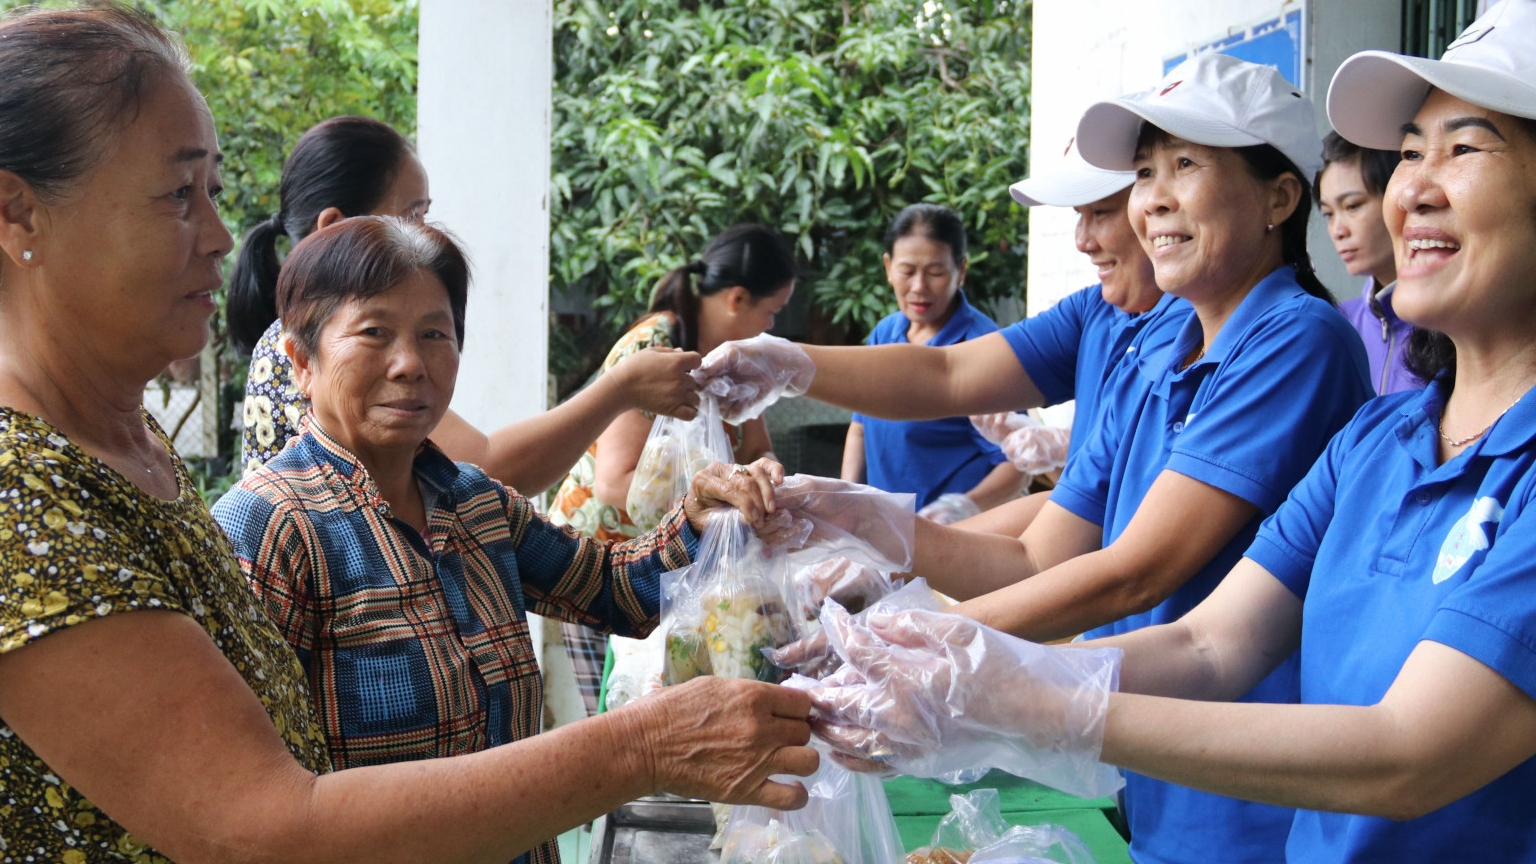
(812, 655)
(748, 375)
(674, 451)
(846, 819)
(862, 523)
(949, 508)
(975, 832)
(929, 693)
(1031, 447)
(853, 585)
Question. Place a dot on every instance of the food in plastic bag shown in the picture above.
(846, 819)
(974, 832)
(929, 693)
(722, 611)
(637, 667)
(748, 375)
(835, 517)
(812, 654)
(674, 451)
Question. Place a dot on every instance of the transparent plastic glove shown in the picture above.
(949, 508)
(836, 517)
(853, 585)
(929, 693)
(812, 655)
(1031, 447)
(748, 375)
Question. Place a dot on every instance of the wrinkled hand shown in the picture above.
(929, 693)
(949, 508)
(748, 375)
(873, 527)
(658, 380)
(748, 488)
(721, 739)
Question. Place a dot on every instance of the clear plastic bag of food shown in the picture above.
(637, 667)
(748, 375)
(674, 451)
(929, 693)
(823, 517)
(812, 654)
(846, 819)
(725, 609)
(974, 832)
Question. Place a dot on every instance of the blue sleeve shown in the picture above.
(1047, 345)
(1267, 412)
(1492, 616)
(1084, 485)
(1288, 541)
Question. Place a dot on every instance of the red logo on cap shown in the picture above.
(1169, 89)
(1070, 142)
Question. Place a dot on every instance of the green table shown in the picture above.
(914, 797)
(1101, 838)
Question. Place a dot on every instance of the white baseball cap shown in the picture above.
(1068, 181)
(1492, 64)
(1211, 99)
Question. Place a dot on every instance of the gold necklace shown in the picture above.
(1193, 360)
(1462, 442)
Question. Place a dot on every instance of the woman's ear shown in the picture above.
(737, 298)
(965, 267)
(328, 217)
(1285, 197)
(303, 364)
(19, 214)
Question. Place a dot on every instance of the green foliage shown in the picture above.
(675, 119)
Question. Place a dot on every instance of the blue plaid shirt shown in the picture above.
(416, 645)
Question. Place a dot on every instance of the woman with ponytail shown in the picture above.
(355, 166)
(733, 290)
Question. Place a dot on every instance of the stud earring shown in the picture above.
(1269, 228)
(26, 254)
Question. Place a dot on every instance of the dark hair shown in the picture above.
(345, 162)
(1267, 163)
(73, 80)
(1376, 166)
(362, 257)
(750, 256)
(937, 223)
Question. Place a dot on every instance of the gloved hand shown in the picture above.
(1031, 447)
(949, 508)
(812, 654)
(853, 585)
(868, 525)
(748, 375)
(928, 693)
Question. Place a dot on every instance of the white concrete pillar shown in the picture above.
(483, 114)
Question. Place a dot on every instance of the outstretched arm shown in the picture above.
(180, 751)
(916, 382)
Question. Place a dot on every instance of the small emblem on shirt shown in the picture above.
(1467, 537)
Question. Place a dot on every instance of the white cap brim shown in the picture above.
(1107, 134)
(1375, 93)
(1070, 187)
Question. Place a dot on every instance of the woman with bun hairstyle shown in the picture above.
(355, 166)
(733, 290)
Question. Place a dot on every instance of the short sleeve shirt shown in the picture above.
(1388, 549)
(929, 457)
(274, 408)
(1070, 350)
(1250, 417)
(576, 504)
(79, 542)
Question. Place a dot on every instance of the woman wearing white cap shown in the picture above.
(1196, 443)
(1064, 353)
(1400, 566)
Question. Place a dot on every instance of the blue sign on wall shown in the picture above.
(1273, 42)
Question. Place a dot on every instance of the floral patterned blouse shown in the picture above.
(80, 542)
(274, 407)
(575, 503)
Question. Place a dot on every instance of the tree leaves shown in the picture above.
(819, 117)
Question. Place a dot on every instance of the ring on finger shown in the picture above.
(740, 469)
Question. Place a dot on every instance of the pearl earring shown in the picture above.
(1269, 228)
(26, 254)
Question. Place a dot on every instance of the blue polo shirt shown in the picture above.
(1387, 549)
(928, 457)
(1070, 349)
(1250, 417)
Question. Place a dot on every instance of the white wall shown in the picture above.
(483, 113)
(1085, 50)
